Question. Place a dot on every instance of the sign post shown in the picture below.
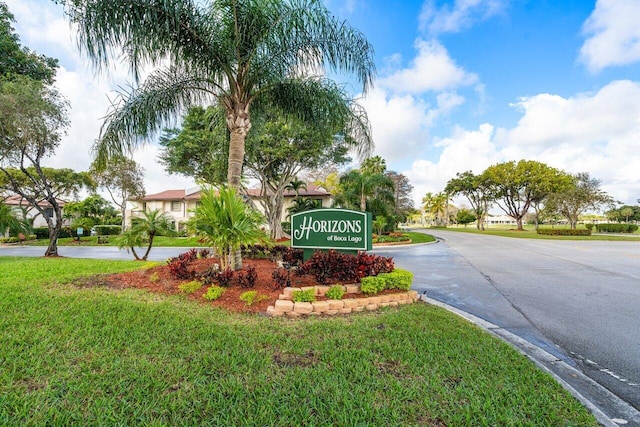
(323, 229)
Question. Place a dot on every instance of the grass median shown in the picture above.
(529, 232)
(100, 356)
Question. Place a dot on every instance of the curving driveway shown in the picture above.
(579, 300)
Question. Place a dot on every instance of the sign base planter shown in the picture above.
(284, 306)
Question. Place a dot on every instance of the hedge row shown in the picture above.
(563, 232)
(397, 279)
(15, 239)
(107, 230)
(613, 228)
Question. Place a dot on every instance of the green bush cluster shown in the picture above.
(335, 292)
(252, 297)
(616, 228)
(304, 296)
(108, 230)
(42, 232)
(16, 239)
(190, 287)
(213, 293)
(397, 279)
(563, 232)
(372, 285)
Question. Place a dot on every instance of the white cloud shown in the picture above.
(613, 35)
(582, 120)
(596, 133)
(431, 70)
(457, 17)
(464, 150)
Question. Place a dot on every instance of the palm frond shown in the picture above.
(141, 113)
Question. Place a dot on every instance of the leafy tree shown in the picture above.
(278, 148)
(516, 187)
(123, 179)
(583, 194)
(402, 189)
(226, 223)
(465, 216)
(474, 188)
(200, 149)
(32, 119)
(244, 54)
(41, 184)
(16, 60)
(95, 209)
(143, 230)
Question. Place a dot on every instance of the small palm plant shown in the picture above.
(225, 222)
(143, 230)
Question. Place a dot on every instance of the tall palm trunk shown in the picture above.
(239, 125)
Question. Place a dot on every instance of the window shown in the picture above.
(48, 212)
(175, 206)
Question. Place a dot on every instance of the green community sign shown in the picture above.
(340, 229)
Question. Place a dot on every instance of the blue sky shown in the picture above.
(462, 84)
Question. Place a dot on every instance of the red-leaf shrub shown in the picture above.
(248, 278)
(280, 276)
(179, 268)
(333, 266)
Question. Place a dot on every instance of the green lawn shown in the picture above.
(530, 233)
(184, 242)
(73, 355)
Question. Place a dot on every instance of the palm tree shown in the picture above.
(225, 221)
(242, 55)
(437, 206)
(296, 185)
(360, 189)
(8, 220)
(144, 229)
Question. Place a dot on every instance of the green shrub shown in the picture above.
(213, 293)
(252, 297)
(372, 285)
(335, 292)
(398, 279)
(304, 296)
(190, 287)
(589, 226)
(616, 228)
(108, 230)
(41, 232)
(154, 277)
(563, 232)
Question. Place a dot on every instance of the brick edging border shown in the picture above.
(284, 306)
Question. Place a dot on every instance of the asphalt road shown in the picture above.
(579, 300)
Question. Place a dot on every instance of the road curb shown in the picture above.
(597, 399)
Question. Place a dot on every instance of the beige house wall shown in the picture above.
(181, 210)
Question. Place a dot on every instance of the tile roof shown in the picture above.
(311, 191)
(16, 200)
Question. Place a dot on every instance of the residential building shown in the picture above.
(179, 204)
(22, 207)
